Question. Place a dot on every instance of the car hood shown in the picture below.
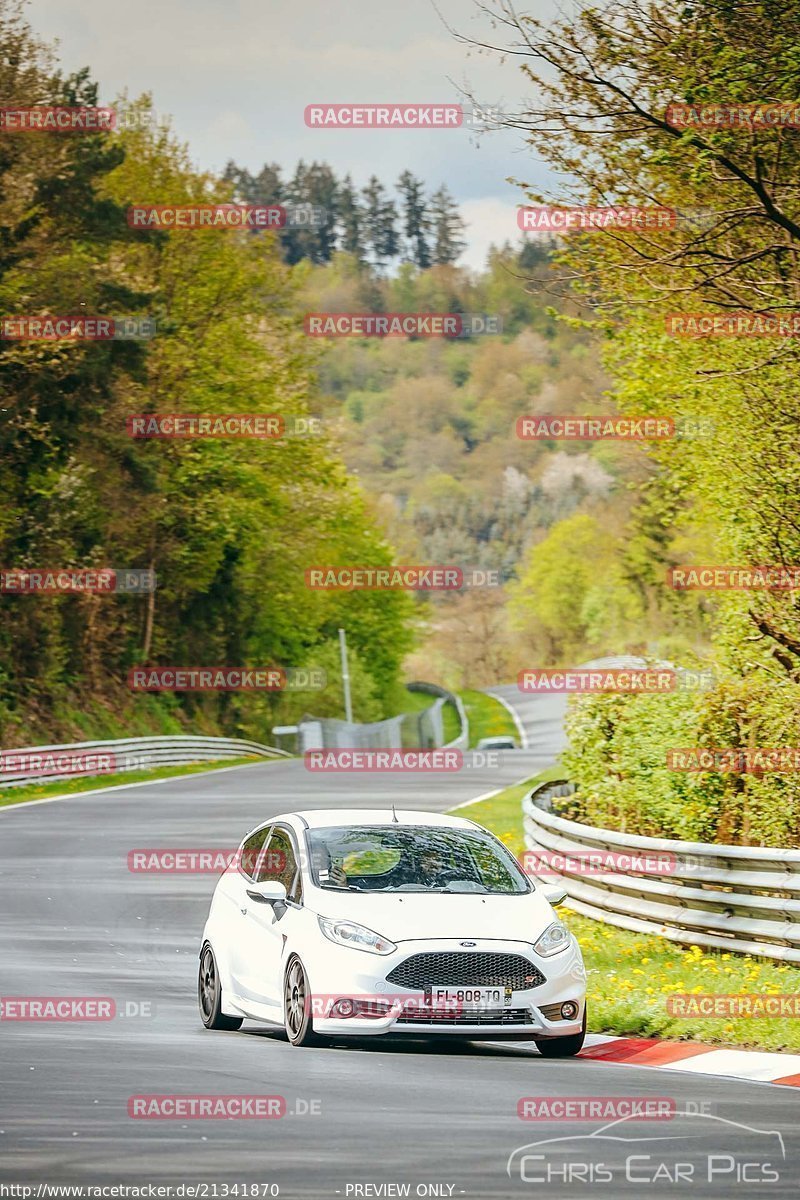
(410, 916)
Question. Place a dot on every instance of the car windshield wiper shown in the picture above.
(415, 887)
(336, 887)
(465, 886)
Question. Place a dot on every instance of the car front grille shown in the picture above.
(482, 1016)
(467, 969)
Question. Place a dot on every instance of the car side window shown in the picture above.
(280, 865)
(251, 848)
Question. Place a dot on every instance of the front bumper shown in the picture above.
(361, 977)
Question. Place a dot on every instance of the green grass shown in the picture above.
(417, 701)
(66, 787)
(450, 722)
(414, 701)
(487, 717)
(631, 975)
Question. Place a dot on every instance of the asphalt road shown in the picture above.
(441, 1118)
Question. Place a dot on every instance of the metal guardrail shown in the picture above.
(743, 899)
(81, 759)
(433, 689)
(408, 730)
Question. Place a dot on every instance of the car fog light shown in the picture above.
(569, 1011)
(343, 1008)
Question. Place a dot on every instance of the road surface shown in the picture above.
(74, 921)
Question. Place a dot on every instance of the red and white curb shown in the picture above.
(694, 1058)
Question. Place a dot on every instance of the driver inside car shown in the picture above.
(330, 872)
(434, 870)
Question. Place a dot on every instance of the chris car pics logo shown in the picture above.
(693, 1149)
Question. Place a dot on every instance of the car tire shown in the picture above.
(209, 994)
(297, 1005)
(563, 1047)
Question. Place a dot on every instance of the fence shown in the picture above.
(423, 729)
(736, 898)
(81, 759)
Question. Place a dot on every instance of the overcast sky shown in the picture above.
(236, 75)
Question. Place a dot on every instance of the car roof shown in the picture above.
(321, 818)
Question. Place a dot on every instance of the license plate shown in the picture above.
(476, 997)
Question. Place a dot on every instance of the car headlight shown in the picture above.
(554, 939)
(358, 937)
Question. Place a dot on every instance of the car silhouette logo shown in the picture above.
(467, 943)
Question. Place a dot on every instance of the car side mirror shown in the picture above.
(555, 895)
(269, 892)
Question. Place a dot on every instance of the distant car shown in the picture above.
(354, 923)
(497, 743)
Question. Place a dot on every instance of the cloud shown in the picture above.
(236, 79)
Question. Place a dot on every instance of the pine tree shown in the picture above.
(448, 226)
(380, 222)
(350, 220)
(416, 223)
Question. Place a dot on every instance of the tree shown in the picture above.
(380, 222)
(571, 592)
(604, 83)
(229, 527)
(447, 225)
(349, 212)
(416, 224)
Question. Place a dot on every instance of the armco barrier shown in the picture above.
(433, 689)
(46, 763)
(411, 730)
(742, 899)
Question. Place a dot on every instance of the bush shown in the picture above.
(618, 760)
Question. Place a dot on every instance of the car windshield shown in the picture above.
(418, 858)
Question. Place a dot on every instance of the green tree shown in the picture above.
(416, 224)
(380, 222)
(448, 227)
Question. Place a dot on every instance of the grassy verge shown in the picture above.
(450, 723)
(487, 717)
(411, 702)
(630, 976)
(417, 701)
(66, 787)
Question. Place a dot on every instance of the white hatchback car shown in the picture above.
(353, 922)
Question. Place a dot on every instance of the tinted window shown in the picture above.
(419, 858)
(251, 848)
(280, 862)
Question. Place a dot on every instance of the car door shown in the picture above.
(266, 927)
(230, 900)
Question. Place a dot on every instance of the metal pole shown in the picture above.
(348, 704)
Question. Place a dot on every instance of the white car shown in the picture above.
(356, 923)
